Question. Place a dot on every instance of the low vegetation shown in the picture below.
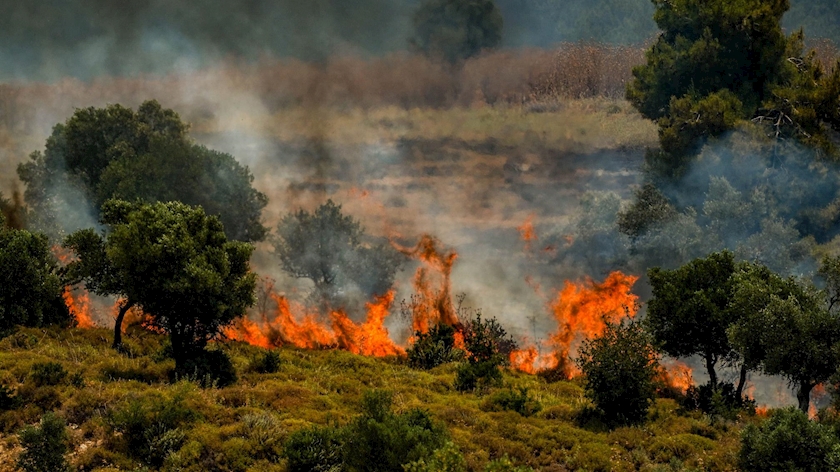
(296, 417)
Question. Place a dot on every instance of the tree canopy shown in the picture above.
(787, 329)
(689, 312)
(115, 152)
(31, 292)
(173, 261)
(329, 248)
(456, 29)
(719, 63)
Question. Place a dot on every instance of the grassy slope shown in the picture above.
(322, 387)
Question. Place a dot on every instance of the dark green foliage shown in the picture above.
(518, 400)
(477, 375)
(329, 248)
(788, 441)
(455, 30)
(720, 400)
(175, 262)
(8, 401)
(718, 63)
(150, 429)
(315, 449)
(44, 446)
(382, 441)
(268, 363)
(620, 370)
(115, 152)
(47, 373)
(433, 348)
(689, 312)
(787, 329)
(210, 368)
(488, 348)
(649, 207)
(31, 287)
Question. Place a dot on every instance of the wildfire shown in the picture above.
(677, 375)
(527, 233)
(431, 305)
(369, 338)
(581, 310)
(79, 307)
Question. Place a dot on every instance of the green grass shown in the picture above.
(243, 427)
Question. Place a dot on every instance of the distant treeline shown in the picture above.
(46, 39)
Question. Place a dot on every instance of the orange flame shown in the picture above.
(430, 305)
(527, 233)
(370, 338)
(677, 375)
(581, 310)
(79, 307)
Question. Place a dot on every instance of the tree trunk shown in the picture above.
(804, 395)
(710, 367)
(742, 379)
(118, 325)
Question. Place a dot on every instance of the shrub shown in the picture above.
(446, 459)
(519, 400)
(44, 446)
(209, 368)
(488, 347)
(788, 441)
(620, 370)
(8, 401)
(269, 363)
(264, 431)
(150, 432)
(315, 449)
(381, 441)
(47, 373)
(722, 400)
(433, 348)
(504, 464)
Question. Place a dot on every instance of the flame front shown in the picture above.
(79, 307)
(581, 310)
(370, 338)
(677, 375)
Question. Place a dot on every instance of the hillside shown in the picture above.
(243, 426)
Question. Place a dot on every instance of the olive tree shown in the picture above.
(456, 29)
(29, 277)
(329, 248)
(174, 262)
(116, 152)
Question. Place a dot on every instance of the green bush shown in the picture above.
(382, 441)
(488, 347)
(47, 373)
(519, 400)
(620, 370)
(209, 368)
(315, 449)
(264, 433)
(150, 430)
(433, 348)
(504, 464)
(44, 446)
(789, 441)
(477, 376)
(446, 459)
(8, 401)
(268, 363)
(721, 401)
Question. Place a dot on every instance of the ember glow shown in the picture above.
(527, 233)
